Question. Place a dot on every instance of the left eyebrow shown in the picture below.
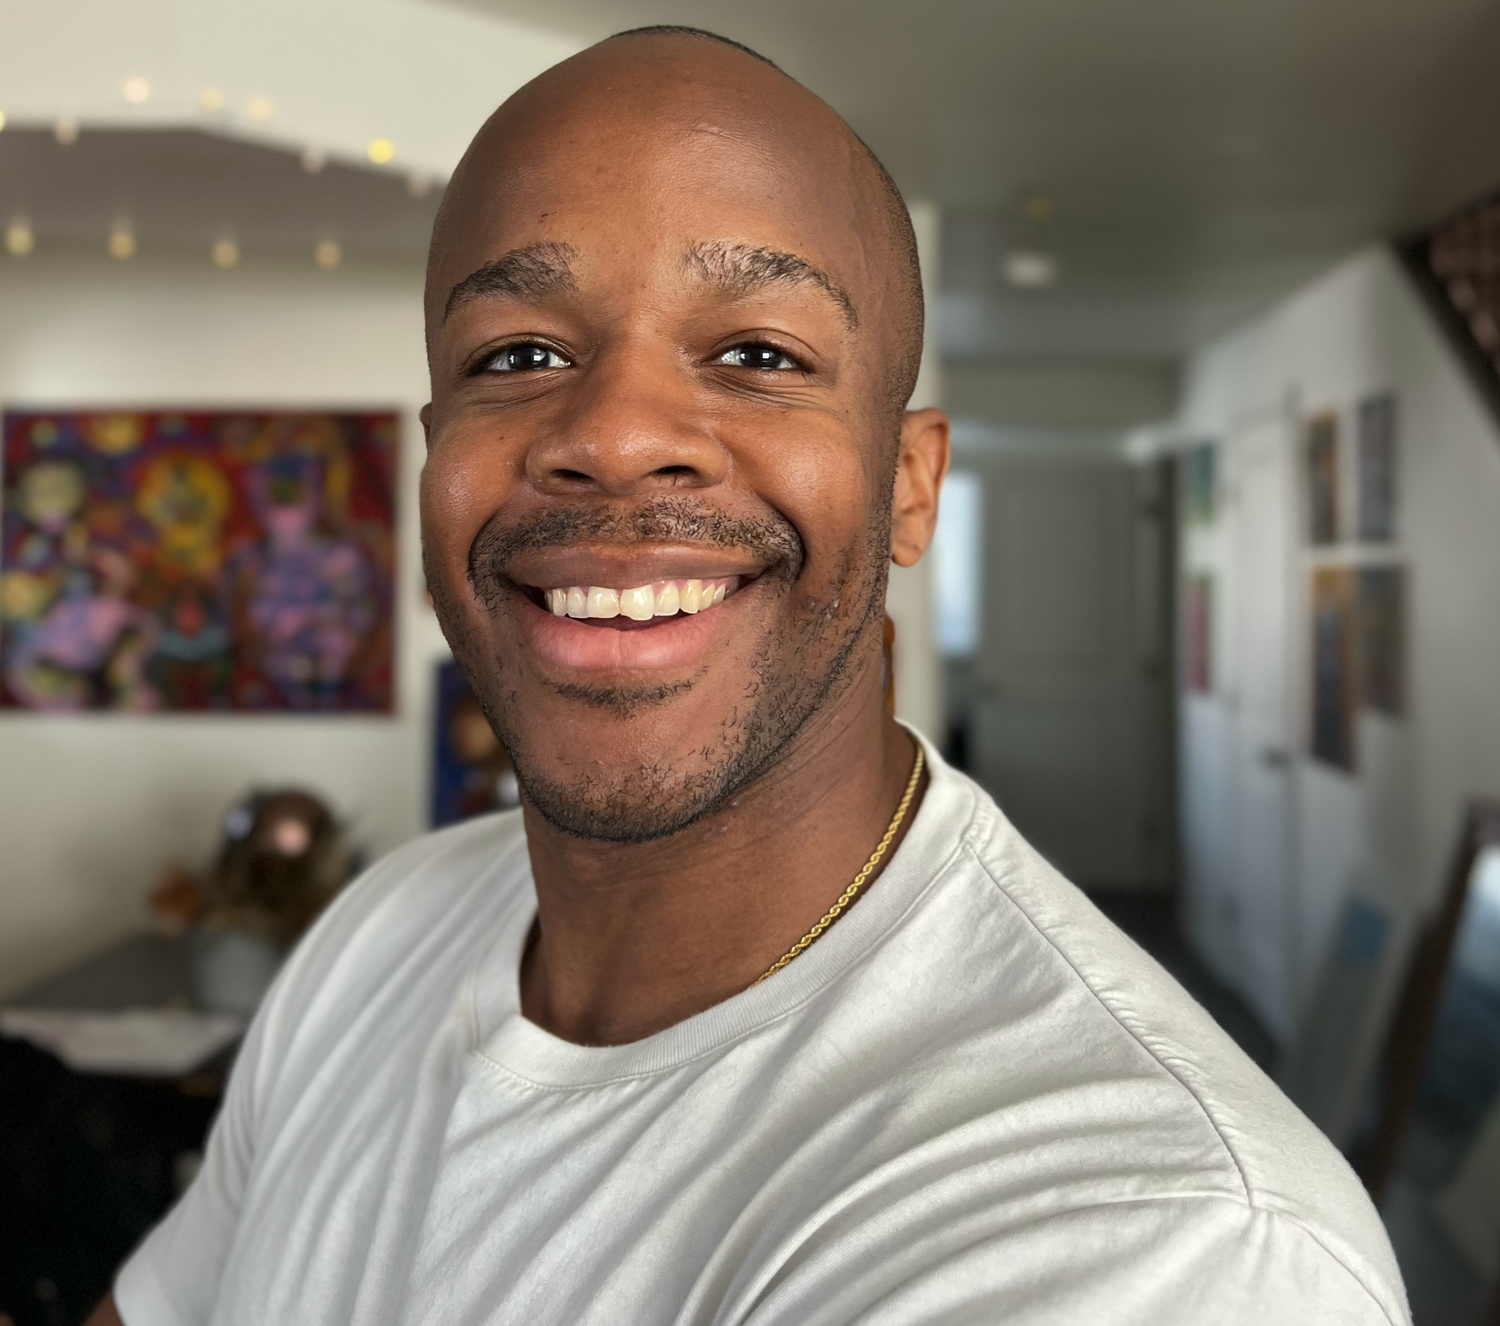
(530, 273)
(744, 269)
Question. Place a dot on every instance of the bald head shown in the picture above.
(707, 116)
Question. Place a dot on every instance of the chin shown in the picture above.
(639, 809)
(626, 764)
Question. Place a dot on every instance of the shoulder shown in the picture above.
(430, 889)
(1206, 1122)
(1145, 1262)
(399, 941)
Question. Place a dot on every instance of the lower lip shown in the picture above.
(671, 645)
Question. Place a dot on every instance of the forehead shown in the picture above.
(630, 186)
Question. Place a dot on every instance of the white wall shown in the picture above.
(1359, 330)
(92, 806)
(908, 599)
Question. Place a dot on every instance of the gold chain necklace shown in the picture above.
(848, 895)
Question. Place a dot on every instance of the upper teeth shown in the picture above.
(663, 598)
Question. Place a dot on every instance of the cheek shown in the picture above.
(821, 481)
(467, 477)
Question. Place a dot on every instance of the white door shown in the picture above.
(1258, 705)
(1068, 731)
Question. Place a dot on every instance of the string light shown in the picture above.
(261, 108)
(210, 101)
(1028, 265)
(2, 119)
(381, 150)
(328, 254)
(225, 253)
(66, 131)
(1038, 209)
(1029, 269)
(121, 242)
(137, 90)
(19, 239)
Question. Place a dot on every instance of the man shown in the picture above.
(756, 1013)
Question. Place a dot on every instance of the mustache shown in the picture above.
(771, 538)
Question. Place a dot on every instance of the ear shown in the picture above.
(920, 466)
(425, 415)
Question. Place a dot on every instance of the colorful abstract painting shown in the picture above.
(161, 560)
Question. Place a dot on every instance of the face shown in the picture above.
(657, 502)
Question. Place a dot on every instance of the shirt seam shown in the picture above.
(1157, 1056)
(1333, 1256)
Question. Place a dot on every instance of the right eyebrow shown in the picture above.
(527, 273)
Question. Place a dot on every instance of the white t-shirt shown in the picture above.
(973, 1100)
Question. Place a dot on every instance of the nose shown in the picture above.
(631, 426)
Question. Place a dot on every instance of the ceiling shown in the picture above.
(180, 190)
(1203, 158)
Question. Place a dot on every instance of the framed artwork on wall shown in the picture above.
(1436, 1150)
(1334, 694)
(197, 560)
(1468, 1208)
(1322, 479)
(1197, 633)
(1381, 612)
(471, 771)
(1200, 471)
(1376, 455)
(1328, 1066)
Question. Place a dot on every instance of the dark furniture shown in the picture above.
(89, 1162)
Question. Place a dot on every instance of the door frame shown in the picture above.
(1284, 414)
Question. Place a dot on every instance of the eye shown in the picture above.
(755, 355)
(526, 357)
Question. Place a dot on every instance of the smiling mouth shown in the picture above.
(643, 605)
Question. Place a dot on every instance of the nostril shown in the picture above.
(677, 471)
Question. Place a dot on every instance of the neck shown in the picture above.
(635, 937)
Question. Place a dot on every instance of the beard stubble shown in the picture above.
(793, 676)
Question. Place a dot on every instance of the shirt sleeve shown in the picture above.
(172, 1278)
(1169, 1262)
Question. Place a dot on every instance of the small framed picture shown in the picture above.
(1328, 1066)
(1197, 633)
(1200, 471)
(1381, 613)
(1322, 483)
(471, 770)
(1377, 469)
(1331, 739)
